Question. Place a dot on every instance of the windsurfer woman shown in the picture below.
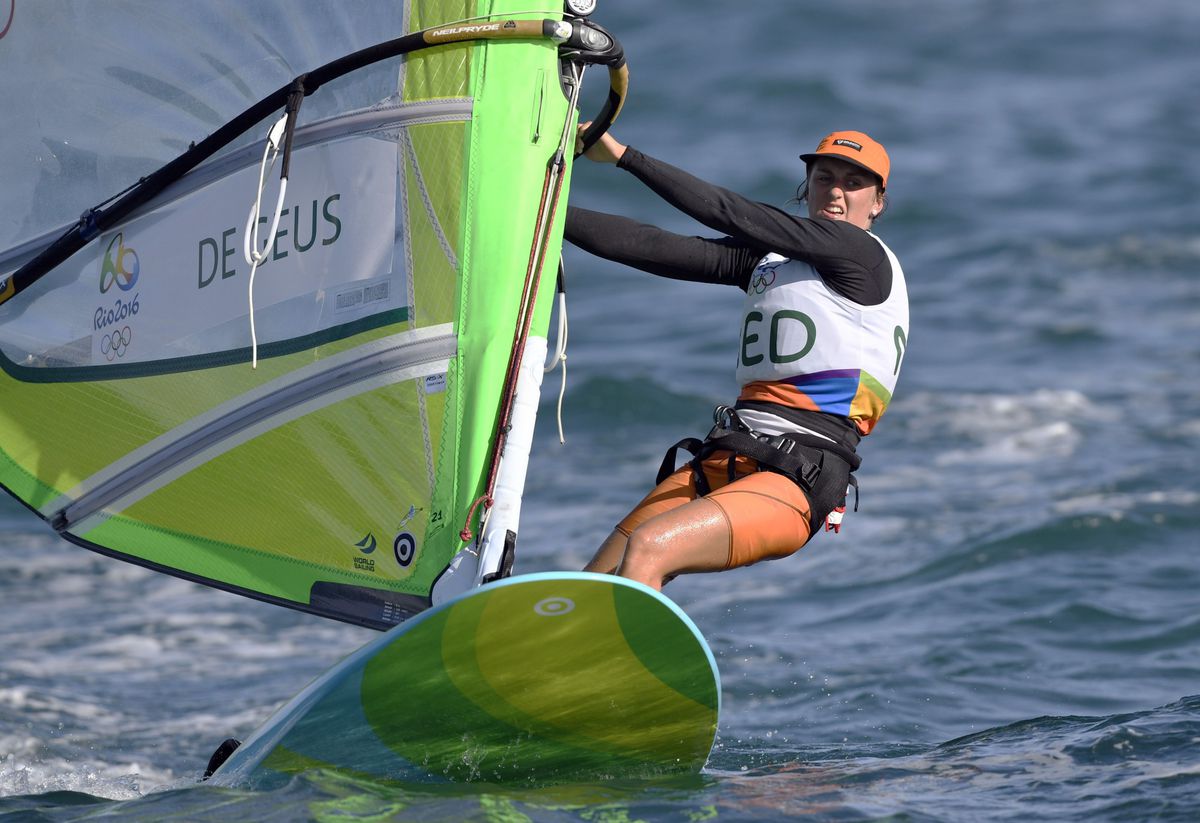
(822, 336)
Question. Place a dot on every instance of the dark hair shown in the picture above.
(802, 194)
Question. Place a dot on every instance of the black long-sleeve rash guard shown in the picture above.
(848, 259)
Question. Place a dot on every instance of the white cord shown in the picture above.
(560, 356)
(250, 247)
(560, 350)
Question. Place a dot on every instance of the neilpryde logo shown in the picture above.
(121, 266)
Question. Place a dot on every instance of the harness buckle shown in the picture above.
(779, 442)
(724, 416)
(809, 473)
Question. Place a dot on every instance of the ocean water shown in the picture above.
(1007, 629)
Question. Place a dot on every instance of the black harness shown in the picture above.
(799, 456)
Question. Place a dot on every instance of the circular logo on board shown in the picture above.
(554, 606)
(405, 547)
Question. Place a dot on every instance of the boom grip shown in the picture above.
(618, 88)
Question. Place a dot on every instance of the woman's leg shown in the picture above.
(677, 490)
(691, 538)
(760, 516)
(608, 556)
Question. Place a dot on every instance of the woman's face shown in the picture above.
(838, 190)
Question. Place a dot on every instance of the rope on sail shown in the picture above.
(279, 141)
(250, 248)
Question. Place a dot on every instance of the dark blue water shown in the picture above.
(1007, 630)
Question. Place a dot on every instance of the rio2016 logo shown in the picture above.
(120, 266)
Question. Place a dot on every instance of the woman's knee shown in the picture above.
(669, 544)
(644, 547)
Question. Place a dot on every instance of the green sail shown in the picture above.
(337, 475)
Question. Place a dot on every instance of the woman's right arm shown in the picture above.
(654, 250)
(848, 259)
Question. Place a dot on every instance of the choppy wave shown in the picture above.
(1138, 765)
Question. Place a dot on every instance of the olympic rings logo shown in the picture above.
(764, 277)
(762, 280)
(115, 345)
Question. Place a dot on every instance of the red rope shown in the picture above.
(465, 535)
(533, 276)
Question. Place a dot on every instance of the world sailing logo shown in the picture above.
(367, 544)
(120, 267)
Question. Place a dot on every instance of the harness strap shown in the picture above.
(779, 453)
(817, 442)
(692, 444)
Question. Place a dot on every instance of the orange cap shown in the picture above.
(853, 147)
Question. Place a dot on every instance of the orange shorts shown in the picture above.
(768, 514)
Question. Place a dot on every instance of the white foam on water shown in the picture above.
(22, 774)
(1036, 442)
(1005, 428)
(1121, 503)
